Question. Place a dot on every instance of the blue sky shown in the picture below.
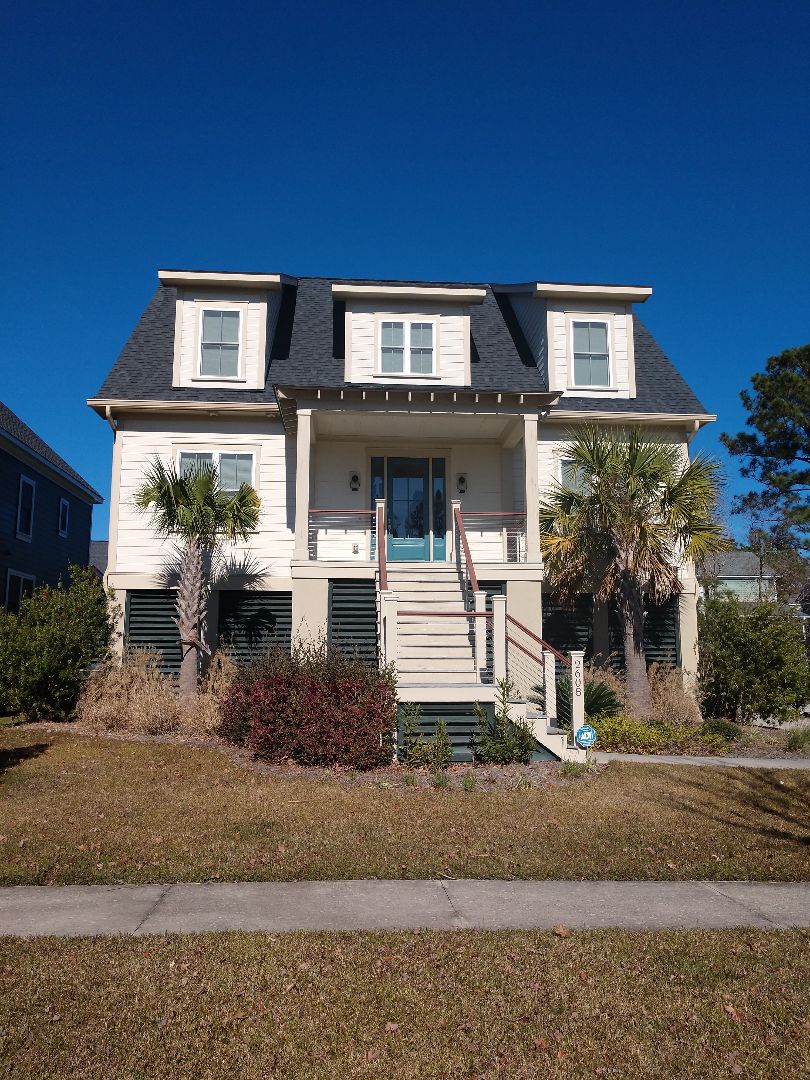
(646, 143)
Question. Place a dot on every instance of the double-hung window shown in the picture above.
(407, 347)
(18, 586)
(591, 353)
(571, 475)
(234, 469)
(64, 517)
(25, 508)
(219, 344)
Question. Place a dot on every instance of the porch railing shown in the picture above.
(496, 536)
(464, 559)
(342, 535)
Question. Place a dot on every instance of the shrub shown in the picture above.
(632, 735)
(752, 660)
(47, 651)
(316, 706)
(724, 728)
(417, 750)
(503, 741)
(799, 739)
(672, 702)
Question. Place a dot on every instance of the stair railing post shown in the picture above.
(577, 690)
(480, 631)
(550, 681)
(498, 638)
(455, 504)
(389, 604)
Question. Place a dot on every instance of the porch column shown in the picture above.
(532, 491)
(302, 450)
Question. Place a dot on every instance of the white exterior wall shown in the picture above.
(259, 317)
(451, 344)
(551, 444)
(139, 550)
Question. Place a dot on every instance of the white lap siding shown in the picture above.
(451, 343)
(139, 550)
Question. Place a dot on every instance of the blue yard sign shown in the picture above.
(585, 736)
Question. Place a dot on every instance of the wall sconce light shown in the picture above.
(354, 481)
(461, 483)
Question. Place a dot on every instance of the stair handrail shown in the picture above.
(382, 561)
(466, 549)
(544, 644)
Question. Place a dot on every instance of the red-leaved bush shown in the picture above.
(317, 706)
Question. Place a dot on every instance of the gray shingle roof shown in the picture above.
(21, 433)
(307, 351)
(659, 387)
(736, 564)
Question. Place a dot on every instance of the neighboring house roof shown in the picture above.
(735, 564)
(308, 351)
(21, 435)
(99, 554)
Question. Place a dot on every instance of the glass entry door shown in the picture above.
(415, 509)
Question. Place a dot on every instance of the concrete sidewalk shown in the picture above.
(725, 760)
(401, 905)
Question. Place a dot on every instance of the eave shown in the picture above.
(224, 279)
(557, 290)
(409, 292)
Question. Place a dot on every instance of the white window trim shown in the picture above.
(32, 484)
(240, 310)
(608, 324)
(406, 321)
(23, 577)
(66, 504)
(216, 454)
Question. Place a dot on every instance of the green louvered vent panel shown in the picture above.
(149, 624)
(662, 644)
(461, 723)
(568, 628)
(353, 617)
(250, 623)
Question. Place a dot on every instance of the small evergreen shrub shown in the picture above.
(315, 706)
(724, 728)
(502, 741)
(417, 750)
(47, 651)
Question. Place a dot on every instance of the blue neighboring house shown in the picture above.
(46, 511)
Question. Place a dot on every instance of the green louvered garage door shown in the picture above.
(149, 625)
(250, 623)
(353, 617)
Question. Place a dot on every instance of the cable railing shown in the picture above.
(496, 536)
(342, 535)
(531, 665)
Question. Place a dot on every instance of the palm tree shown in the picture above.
(193, 508)
(629, 515)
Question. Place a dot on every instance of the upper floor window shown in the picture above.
(234, 469)
(25, 508)
(406, 348)
(64, 516)
(591, 353)
(219, 344)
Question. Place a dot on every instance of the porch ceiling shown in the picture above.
(404, 426)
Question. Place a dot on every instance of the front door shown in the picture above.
(408, 509)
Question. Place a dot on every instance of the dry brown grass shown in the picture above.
(134, 697)
(671, 701)
(520, 1004)
(79, 810)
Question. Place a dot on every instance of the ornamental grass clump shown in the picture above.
(315, 706)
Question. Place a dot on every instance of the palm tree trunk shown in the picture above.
(190, 604)
(631, 616)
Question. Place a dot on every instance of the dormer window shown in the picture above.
(591, 353)
(220, 333)
(406, 347)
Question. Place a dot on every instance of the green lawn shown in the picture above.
(79, 810)
(521, 1005)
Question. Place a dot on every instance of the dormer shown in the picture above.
(413, 334)
(222, 326)
(581, 336)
